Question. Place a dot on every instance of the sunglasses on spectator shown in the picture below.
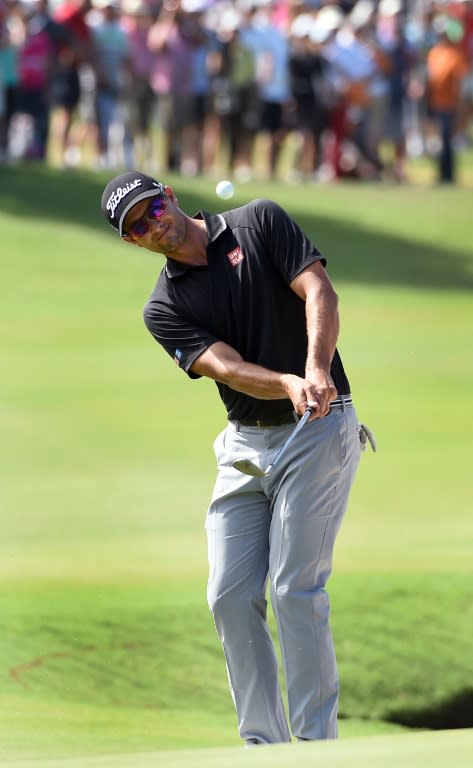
(155, 211)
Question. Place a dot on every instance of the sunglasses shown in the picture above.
(154, 213)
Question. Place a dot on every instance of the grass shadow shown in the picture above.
(454, 712)
(355, 254)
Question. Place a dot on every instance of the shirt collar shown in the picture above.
(215, 224)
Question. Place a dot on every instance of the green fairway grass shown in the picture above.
(106, 643)
(421, 750)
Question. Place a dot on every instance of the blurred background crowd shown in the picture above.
(353, 88)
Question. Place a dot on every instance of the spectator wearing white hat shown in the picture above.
(354, 67)
(235, 91)
(329, 25)
(307, 69)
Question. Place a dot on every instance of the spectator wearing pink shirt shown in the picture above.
(172, 44)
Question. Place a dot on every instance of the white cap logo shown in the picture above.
(117, 196)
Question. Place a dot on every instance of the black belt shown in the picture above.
(288, 418)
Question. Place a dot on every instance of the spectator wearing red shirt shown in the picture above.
(67, 88)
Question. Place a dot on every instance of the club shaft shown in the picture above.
(294, 433)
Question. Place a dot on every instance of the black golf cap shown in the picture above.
(123, 192)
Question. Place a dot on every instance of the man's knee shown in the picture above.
(311, 601)
(235, 606)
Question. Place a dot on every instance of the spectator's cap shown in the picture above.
(302, 25)
(328, 20)
(100, 4)
(134, 7)
(361, 14)
(195, 6)
(251, 5)
(390, 7)
(228, 20)
(123, 192)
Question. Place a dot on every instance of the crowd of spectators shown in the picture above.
(357, 86)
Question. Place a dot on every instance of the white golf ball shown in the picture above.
(225, 189)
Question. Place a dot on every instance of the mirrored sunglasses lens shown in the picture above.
(157, 208)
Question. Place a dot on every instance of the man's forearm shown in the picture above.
(225, 365)
(323, 327)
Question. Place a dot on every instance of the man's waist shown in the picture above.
(289, 417)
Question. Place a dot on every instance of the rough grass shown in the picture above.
(149, 655)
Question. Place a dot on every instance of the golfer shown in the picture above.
(245, 300)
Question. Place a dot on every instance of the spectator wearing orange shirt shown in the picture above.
(446, 68)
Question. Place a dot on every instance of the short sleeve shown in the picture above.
(289, 247)
(182, 340)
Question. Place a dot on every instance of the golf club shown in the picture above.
(248, 467)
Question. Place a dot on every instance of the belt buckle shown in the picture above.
(259, 423)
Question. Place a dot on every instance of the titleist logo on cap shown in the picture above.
(119, 193)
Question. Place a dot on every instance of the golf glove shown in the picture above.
(366, 436)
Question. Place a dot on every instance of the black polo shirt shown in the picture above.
(242, 297)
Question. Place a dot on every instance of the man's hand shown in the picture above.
(323, 391)
(316, 393)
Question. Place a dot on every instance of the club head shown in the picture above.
(249, 468)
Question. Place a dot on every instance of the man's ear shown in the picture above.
(129, 239)
(169, 193)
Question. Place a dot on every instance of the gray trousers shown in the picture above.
(282, 527)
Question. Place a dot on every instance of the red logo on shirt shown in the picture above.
(235, 256)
